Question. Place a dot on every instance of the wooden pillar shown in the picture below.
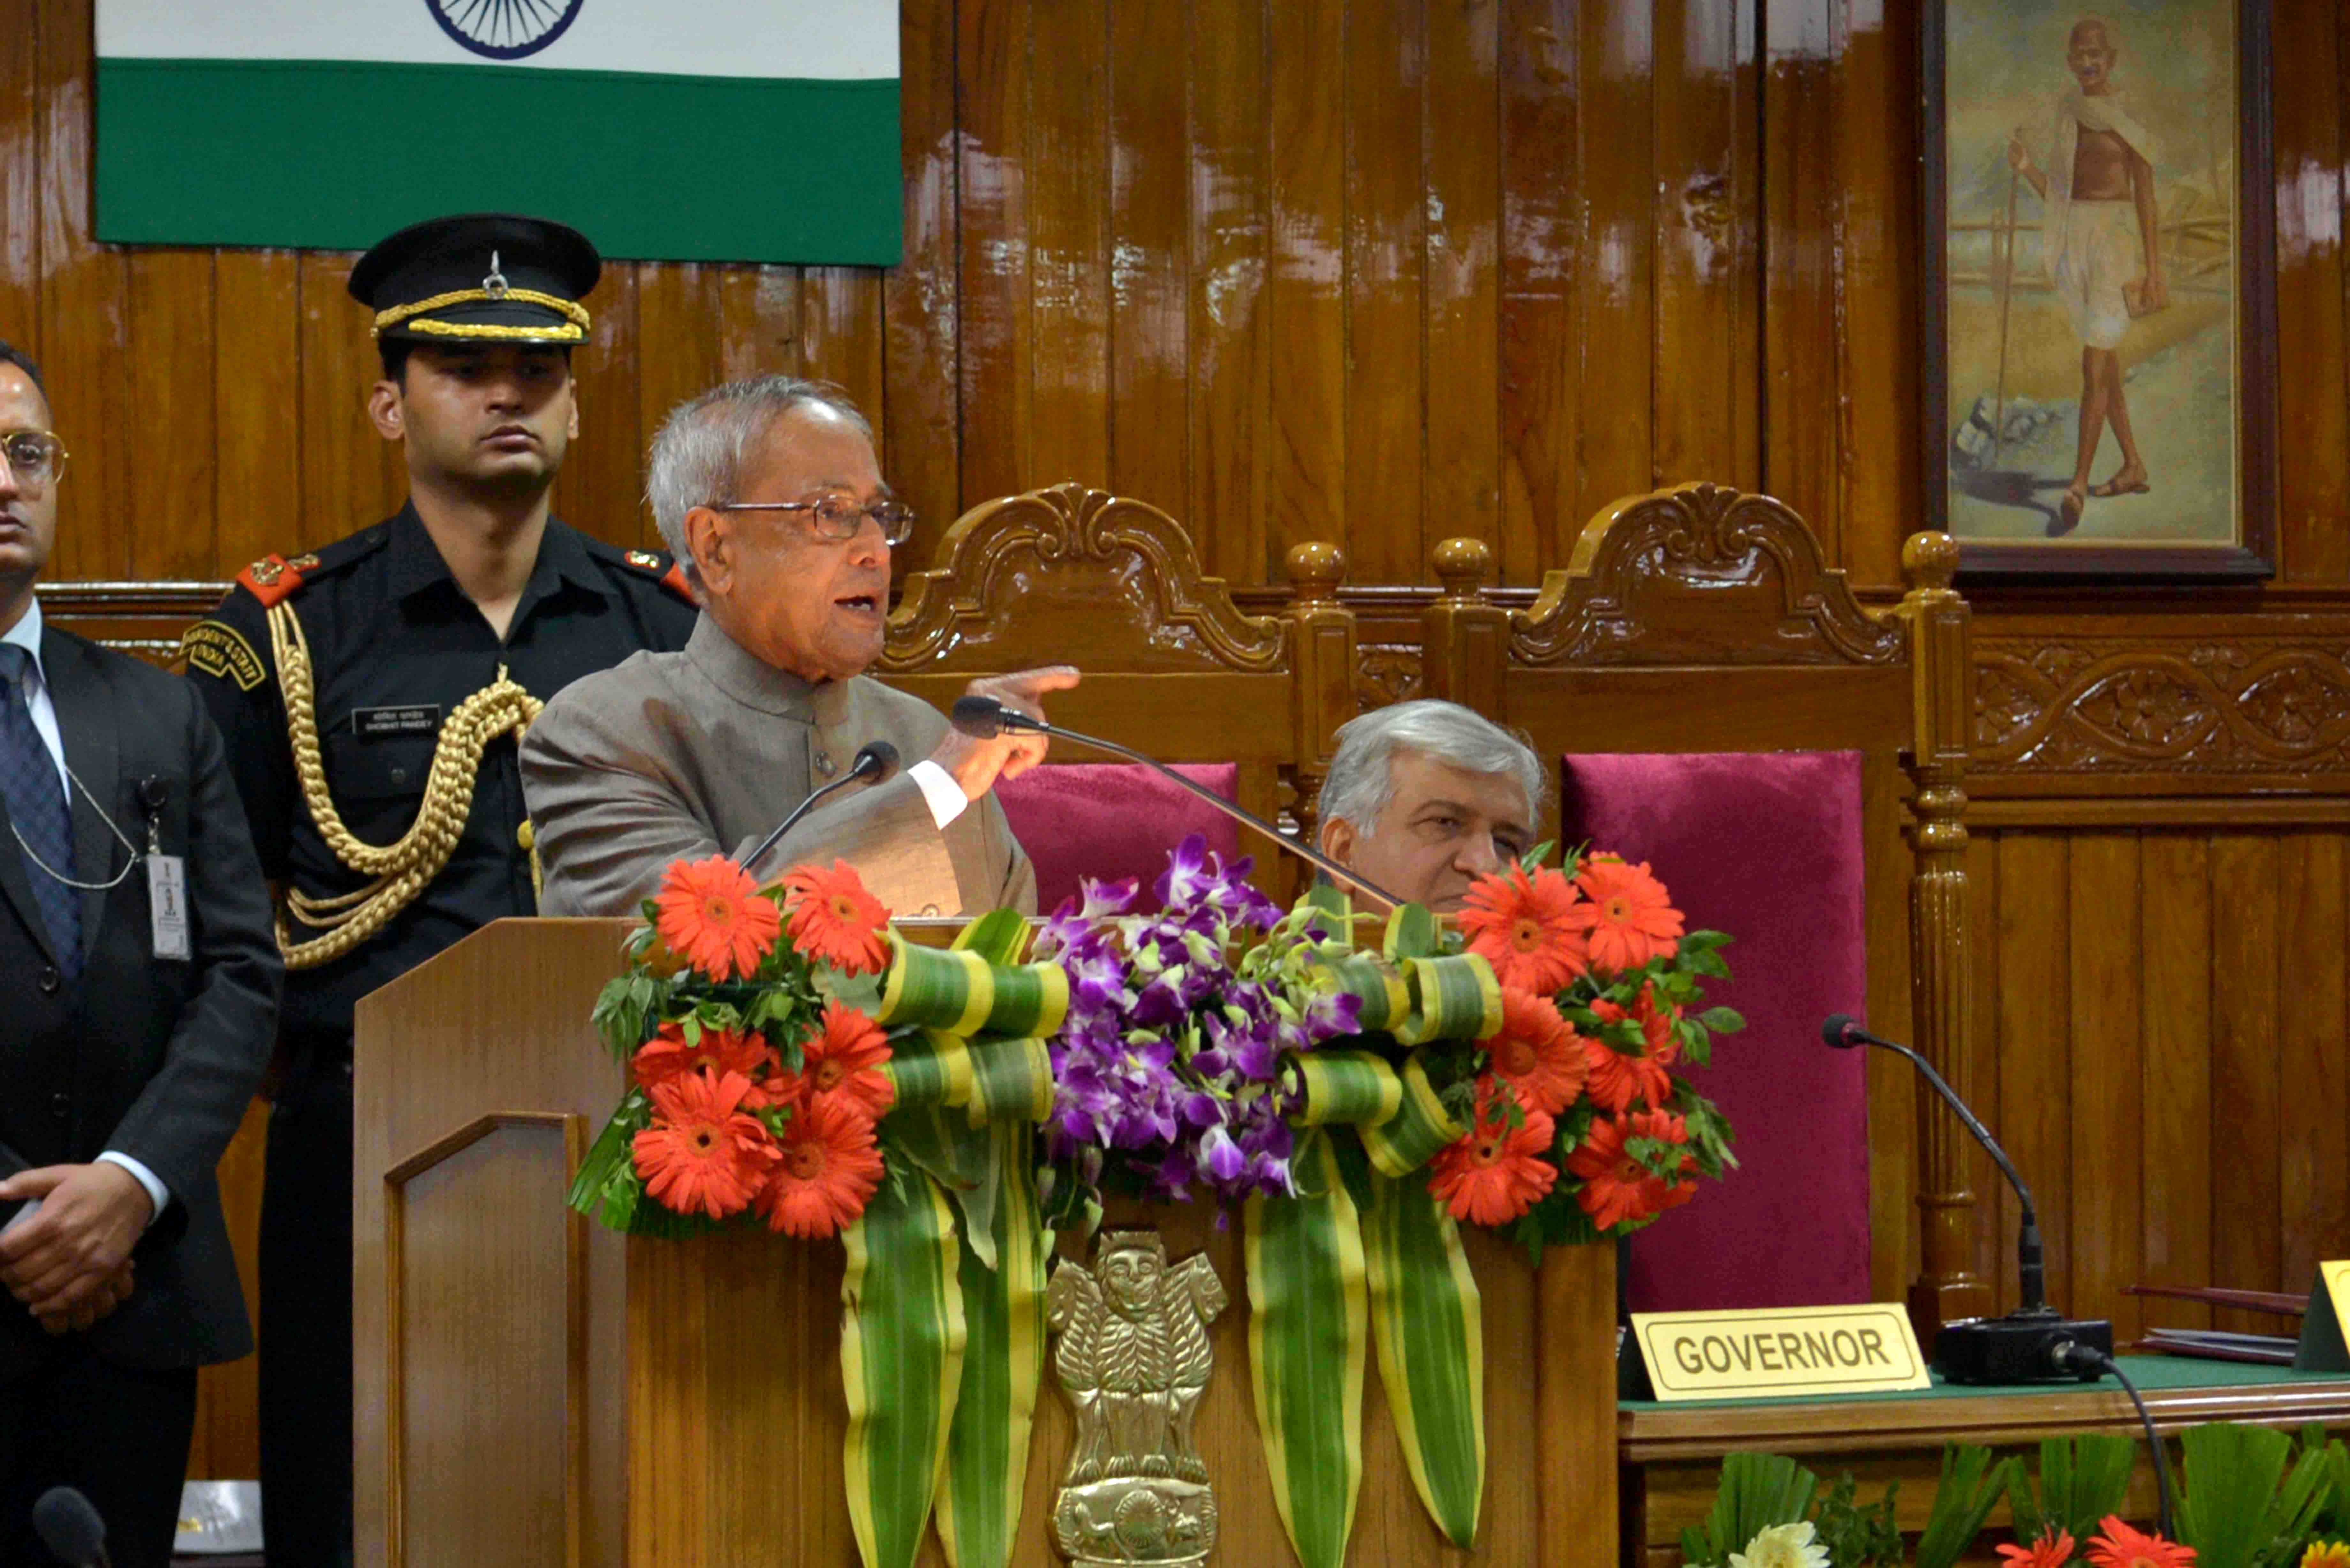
(1464, 640)
(1323, 643)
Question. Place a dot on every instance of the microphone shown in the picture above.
(2035, 1343)
(70, 1528)
(875, 760)
(985, 718)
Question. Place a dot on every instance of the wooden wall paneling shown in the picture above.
(2174, 1019)
(350, 475)
(1876, 92)
(1706, 352)
(1308, 66)
(1149, 265)
(22, 110)
(1797, 265)
(85, 308)
(917, 419)
(257, 440)
(1461, 137)
(1069, 243)
(759, 322)
(1615, 161)
(170, 525)
(2103, 947)
(678, 357)
(2036, 1081)
(1386, 352)
(1539, 257)
(2313, 1110)
(2246, 1122)
(1992, 1245)
(842, 339)
(1230, 335)
(227, 1443)
(992, 66)
(2314, 478)
(602, 487)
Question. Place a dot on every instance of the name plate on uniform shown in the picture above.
(2325, 1326)
(1778, 1352)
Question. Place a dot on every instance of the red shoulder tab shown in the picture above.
(274, 579)
(674, 581)
(650, 564)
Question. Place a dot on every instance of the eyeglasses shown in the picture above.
(837, 517)
(35, 457)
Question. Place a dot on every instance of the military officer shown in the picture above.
(371, 694)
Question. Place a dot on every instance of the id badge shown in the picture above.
(167, 904)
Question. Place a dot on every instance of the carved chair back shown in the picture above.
(1172, 667)
(1702, 619)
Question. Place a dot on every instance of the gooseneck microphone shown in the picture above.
(70, 1528)
(875, 760)
(985, 718)
(2035, 1343)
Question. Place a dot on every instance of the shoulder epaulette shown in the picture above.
(657, 565)
(272, 580)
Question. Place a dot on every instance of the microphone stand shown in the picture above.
(996, 716)
(868, 765)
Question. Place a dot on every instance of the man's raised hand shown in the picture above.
(976, 764)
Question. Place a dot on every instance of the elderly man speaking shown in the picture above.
(767, 491)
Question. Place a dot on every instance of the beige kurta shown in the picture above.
(688, 754)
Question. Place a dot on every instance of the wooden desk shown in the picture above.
(1669, 1455)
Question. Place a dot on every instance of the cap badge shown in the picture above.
(496, 285)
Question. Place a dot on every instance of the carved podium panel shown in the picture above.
(533, 1390)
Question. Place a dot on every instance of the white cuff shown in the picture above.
(944, 795)
(156, 1192)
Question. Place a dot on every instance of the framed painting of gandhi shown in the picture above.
(2099, 288)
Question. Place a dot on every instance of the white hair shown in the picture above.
(1362, 775)
(698, 454)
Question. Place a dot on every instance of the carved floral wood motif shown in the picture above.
(2193, 709)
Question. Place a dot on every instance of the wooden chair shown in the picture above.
(1172, 666)
(1700, 620)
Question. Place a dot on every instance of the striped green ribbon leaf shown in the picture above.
(1454, 998)
(928, 1068)
(1004, 1359)
(1374, 983)
(1413, 932)
(1011, 1080)
(1420, 1126)
(1308, 1336)
(1427, 1321)
(954, 990)
(901, 1354)
(1342, 1086)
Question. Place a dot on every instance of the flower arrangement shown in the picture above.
(756, 1082)
(1576, 1126)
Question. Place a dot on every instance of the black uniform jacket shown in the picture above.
(395, 646)
(154, 1058)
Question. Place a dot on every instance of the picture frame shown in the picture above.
(2009, 296)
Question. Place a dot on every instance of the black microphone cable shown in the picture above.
(2074, 1357)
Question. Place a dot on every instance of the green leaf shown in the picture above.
(1532, 860)
(1427, 1321)
(1756, 1491)
(1003, 1362)
(2082, 1480)
(1962, 1502)
(1722, 1020)
(901, 1349)
(2231, 1510)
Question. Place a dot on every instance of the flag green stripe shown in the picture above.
(658, 167)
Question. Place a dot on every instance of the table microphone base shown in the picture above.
(2018, 1348)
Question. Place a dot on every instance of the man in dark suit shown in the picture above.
(142, 994)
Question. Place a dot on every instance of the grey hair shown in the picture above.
(698, 454)
(1361, 781)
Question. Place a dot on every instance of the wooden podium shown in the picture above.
(533, 1391)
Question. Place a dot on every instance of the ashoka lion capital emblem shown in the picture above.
(1133, 1359)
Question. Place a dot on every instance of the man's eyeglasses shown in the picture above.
(837, 517)
(35, 457)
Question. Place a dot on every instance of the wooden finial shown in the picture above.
(1929, 560)
(1462, 566)
(1314, 570)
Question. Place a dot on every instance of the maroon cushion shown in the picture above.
(1767, 847)
(1109, 820)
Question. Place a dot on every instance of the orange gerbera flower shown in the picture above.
(702, 1154)
(1525, 927)
(1496, 1172)
(1617, 1187)
(1660, 1037)
(711, 911)
(1536, 1053)
(2053, 1550)
(1617, 1078)
(835, 920)
(828, 1173)
(843, 1061)
(2325, 1554)
(1629, 918)
(2117, 1545)
(722, 1051)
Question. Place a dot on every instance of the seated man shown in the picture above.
(1424, 797)
(768, 493)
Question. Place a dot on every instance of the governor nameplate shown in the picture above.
(1778, 1351)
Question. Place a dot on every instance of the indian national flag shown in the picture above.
(664, 129)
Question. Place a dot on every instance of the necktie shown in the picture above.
(38, 809)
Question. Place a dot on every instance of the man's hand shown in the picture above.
(66, 1257)
(975, 765)
(99, 1305)
(2018, 158)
